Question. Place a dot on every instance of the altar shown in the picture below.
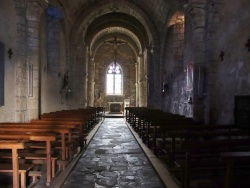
(115, 107)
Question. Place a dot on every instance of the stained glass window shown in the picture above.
(114, 80)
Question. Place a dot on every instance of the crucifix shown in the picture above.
(115, 43)
(10, 52)
(248, 44)
(222, 55)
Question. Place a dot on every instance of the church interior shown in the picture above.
(165, 67)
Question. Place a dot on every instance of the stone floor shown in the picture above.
(113, 159)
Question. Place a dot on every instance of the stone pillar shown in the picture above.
(33, 17)
(148, 57)
(154, 62)
(144, 87)
(211, 57)
(136, 86)
(145, 81)
(140, 80)
(91, 81)
(20, 65)
(198, 14)
(86, 76)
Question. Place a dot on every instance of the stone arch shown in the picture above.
(122, 34)
(152, 44)
(176, 25)
(177, 22)
(81, 25)
(117, 20)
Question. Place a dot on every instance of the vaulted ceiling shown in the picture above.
(138, 22)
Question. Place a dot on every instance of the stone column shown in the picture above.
(136, 85)
(91, 81)
(148, 58)
(155, 61)
(145, 81)
(20, 65)
(198, 14)
(86, 76)
(145, 90)
(33, 17)
(213, 15)
(140, 80)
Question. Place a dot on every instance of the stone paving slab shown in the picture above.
(113, 159)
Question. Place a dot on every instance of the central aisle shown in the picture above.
(113, 158)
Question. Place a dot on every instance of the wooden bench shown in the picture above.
(161, 132)
(41, 128)
(173, 131)
(34, 174)
(80, 122)
(212, 147)
(58, 116)
(40, 137)
(232, 159)
(27, 155)
(46, 128)
(14, 167)
(23, 169)
(76, 126)
(89, 115)
(184, 138)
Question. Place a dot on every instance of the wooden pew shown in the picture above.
(51, 127)
(164, 127)
(232, 159)
(40, 137)
(149, 123)
(160, 131)
(77, 133)
(67, 121)
(153, 128)
(90, 115)
(41, 128)
(210, 146)
(15, 168)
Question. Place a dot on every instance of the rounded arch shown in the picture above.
(117, 20)
(121, 34)
(177, 18)
(82, 23)
(176, 24)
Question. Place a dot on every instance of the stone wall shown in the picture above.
(232, 74)
(216, 33)
(213, 40)
(176, 95)
(33, 80)
(8, 39)
(104, 57)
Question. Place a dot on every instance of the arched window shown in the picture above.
(114, 80)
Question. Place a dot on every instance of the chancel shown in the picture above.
(125, 93)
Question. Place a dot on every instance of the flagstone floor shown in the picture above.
(113, 158)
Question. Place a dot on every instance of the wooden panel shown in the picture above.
(1, 74)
